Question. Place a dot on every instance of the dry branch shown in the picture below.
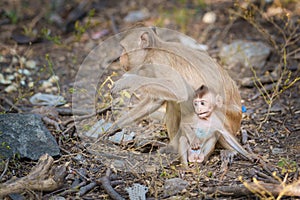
(256, 188)
(42, 177)
(106, 184)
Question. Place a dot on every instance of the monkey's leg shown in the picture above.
(145, 107)
(173, 118)
(208, 146)
(183, 149)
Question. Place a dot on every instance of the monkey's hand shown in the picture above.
(196, 143)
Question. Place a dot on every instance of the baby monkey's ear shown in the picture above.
(219, 101)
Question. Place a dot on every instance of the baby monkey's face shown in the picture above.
(204, 105)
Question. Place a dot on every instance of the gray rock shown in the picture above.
(245, 53)
(174, 186)
(25, 135)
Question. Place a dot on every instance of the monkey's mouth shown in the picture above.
(203, 113)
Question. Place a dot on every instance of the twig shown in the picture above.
(11, 104)
(52, 122)
(5, 169)
(263, 175)
(65, 191)
(81, 175)
(68, 129)
(86, 116)
(105, 182)
(85, 189)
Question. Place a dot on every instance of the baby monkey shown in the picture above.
(204, 128)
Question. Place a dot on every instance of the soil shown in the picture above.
(273, 125)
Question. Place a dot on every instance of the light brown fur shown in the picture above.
(143, 47)
(200, 131)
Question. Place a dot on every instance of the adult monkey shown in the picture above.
(143, 47)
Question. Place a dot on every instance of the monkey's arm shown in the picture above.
(195, 141)
(160, 88)
(145, 107)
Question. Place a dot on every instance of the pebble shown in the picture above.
(174, 186)
(11, 88)
(31, 64)
(138, 15)
(209, 18)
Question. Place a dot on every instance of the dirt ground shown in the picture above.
(58, 37)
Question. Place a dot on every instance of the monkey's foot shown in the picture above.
(227, 158)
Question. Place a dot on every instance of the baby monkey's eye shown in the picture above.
(202, 103)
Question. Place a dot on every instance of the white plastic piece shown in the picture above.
(137, 192)
(47, 100)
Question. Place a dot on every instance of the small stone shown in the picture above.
(46, 84)
(11, 77)
(15, 60)
(23, 82)
(31, 64)
(174, 186)
(277, 151)
(11, 88)
(25, 72)
(121, 137)
(118, 164)
(53, 79)
(209, 18)
(31, 84)
(3, 80)
(22, 59)
(79, 158)
(138, 15)
(98, 128)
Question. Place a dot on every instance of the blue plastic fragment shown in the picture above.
(244, 109)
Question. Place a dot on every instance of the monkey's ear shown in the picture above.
(219, 101)
(144, 40)
(201, 91)
(153, 29)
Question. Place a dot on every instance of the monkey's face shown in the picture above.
(204, 106)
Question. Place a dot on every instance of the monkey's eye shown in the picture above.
(202, 103)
